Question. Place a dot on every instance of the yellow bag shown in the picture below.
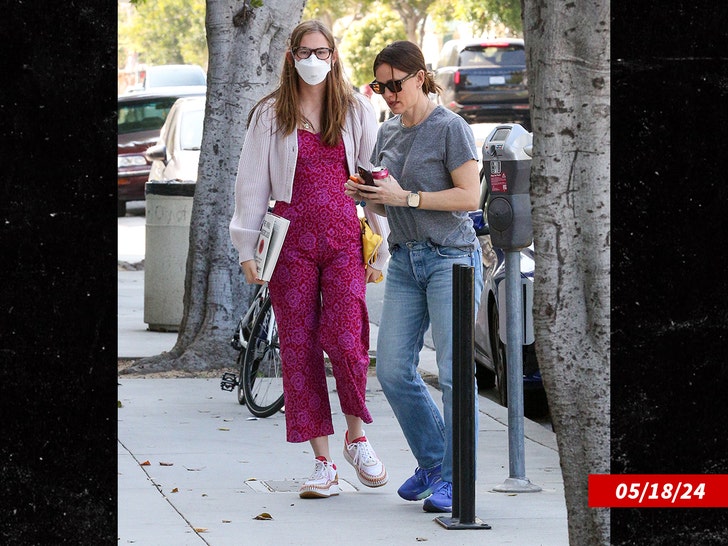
(370, 243)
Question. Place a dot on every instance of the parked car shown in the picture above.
(170, 75)
(140, 119)
(176, 154)
(490, 324)
(485, 80)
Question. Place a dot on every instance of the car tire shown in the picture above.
(121, 209)
(499, 359)
(484, 377)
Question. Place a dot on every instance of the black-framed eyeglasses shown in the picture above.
(395, 86)
(322, 53)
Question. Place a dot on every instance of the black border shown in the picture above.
(58, 371)
(669, 294)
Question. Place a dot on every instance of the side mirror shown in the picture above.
(157, 152)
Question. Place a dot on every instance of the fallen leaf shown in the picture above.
(145, 463)
(223, 428)
(165, 464)
(421, 539)
(119, 404)
(263, 516)
(227, 521)
(194, 469)
(200, 529)
(175, 490)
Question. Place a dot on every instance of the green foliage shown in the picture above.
(364, 38)
(485, 15)
(165, 32)
(328, 11)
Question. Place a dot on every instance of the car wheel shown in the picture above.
(499, 359)
(121, 209)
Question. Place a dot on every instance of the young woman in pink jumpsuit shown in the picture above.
(303, 141)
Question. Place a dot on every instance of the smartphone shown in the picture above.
(366, 176)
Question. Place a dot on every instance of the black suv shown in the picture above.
(485, 80)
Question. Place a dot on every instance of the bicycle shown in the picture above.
(260, 383)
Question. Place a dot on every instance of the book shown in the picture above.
(272, 234)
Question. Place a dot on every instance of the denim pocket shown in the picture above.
(452, 252)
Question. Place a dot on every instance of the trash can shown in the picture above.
(168, 213)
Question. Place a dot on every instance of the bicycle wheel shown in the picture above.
(262, 373)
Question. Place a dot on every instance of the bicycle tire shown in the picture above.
(262, 372)
(241, 363)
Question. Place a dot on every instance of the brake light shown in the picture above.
(495, 44)
(456, 77)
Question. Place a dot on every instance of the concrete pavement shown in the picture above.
(213, 468)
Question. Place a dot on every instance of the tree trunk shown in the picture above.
(247, 47)
(568, 72)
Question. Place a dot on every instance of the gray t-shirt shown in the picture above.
(421, 159)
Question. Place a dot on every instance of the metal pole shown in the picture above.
(517, 481)
(457, 387)
(463, 410)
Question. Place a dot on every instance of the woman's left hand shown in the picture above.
(372, 275)
(384, 192)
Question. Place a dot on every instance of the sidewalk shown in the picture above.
(213, 468)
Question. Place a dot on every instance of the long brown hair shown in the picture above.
(338, 94)
(407, 57)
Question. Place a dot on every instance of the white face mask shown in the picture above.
(313, 70)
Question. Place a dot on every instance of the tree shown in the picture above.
(166, 31)
(363, 39)
(329, 11)
(414, 17)
(485, 15)
(568, 60)
(247, 46)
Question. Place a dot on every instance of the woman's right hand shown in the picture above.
(251, 272)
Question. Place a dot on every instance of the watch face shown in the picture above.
(413, 200)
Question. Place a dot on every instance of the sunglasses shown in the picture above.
(395, 86)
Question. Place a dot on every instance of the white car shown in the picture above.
(177, 152)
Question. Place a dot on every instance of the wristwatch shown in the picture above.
(413, 199)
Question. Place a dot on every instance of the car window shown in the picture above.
(513, 55)
(174, 78)
(144, 116)
(191, 130)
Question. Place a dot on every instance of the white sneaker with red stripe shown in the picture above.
(369, 469)
(324, 482)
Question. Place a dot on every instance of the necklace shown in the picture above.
(307, 123)
(424, 115)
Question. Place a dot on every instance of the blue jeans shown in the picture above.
(418, 292)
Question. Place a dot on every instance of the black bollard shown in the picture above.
(463, 410)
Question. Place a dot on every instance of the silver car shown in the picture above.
(177, 152)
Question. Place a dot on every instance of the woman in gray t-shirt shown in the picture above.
(432, 160)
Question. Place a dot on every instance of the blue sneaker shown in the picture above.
(440, 500)
(421, 485)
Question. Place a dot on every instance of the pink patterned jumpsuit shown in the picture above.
(318, 291)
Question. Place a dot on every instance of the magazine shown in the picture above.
(272, 234)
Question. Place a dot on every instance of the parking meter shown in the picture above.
(507, 166)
